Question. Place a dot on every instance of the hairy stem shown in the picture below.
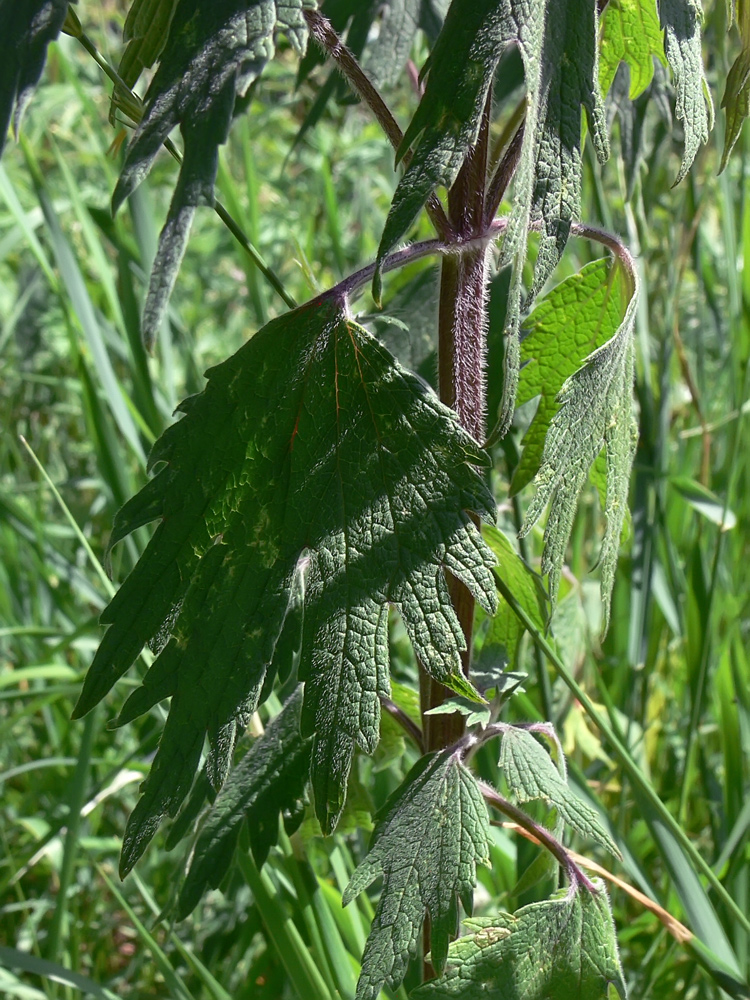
(461, 356)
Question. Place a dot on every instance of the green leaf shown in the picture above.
(682, 43)
(630, 34)
(506, 629)
(560, 55)
(26, 29)
(593, 410)
(705, 502)
(736, 97)
(146, 31)
(213, 54)
(269, 779)
(474, 713)
(531, 774)
(557, 949)
(431, 835)
(312, 452)
(573, 319)
(387, 55)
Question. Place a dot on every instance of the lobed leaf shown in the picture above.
(630, 33)
(553, 950)
(270, 779)
(592, 411)
(213, 53)
(531, 774)
(681, 21)
(26, 29)
(310, 453)
(431, 835)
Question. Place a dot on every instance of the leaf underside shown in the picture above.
(26, 29)
(681, 21)
(553, 950)
(270, 779)
(213, 53)
(311, 454)
(432, 834)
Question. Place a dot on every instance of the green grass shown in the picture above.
(671, 680)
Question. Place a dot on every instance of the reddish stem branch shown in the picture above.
(325, 35)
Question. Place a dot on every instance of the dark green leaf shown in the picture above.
(269, 779)
(213, 53)
(447, 119)
(432, 834)
(26, 29)
(311, 452)
(558, 43)
(559, 949)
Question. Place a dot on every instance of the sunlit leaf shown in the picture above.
(592, 411)
(630, 33)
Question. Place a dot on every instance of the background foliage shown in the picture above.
(672, 676)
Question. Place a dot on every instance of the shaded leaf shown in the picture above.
(213, 53)
(531, 774)
(594, 411)
(736, 99)
(505, 628)
(312, 452)
(269, 779)
(431, 835)
(630, 33)
(26, 28)
(557, 949)
(681, 20)
(558, 44)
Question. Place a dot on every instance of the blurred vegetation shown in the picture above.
(673, 675)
